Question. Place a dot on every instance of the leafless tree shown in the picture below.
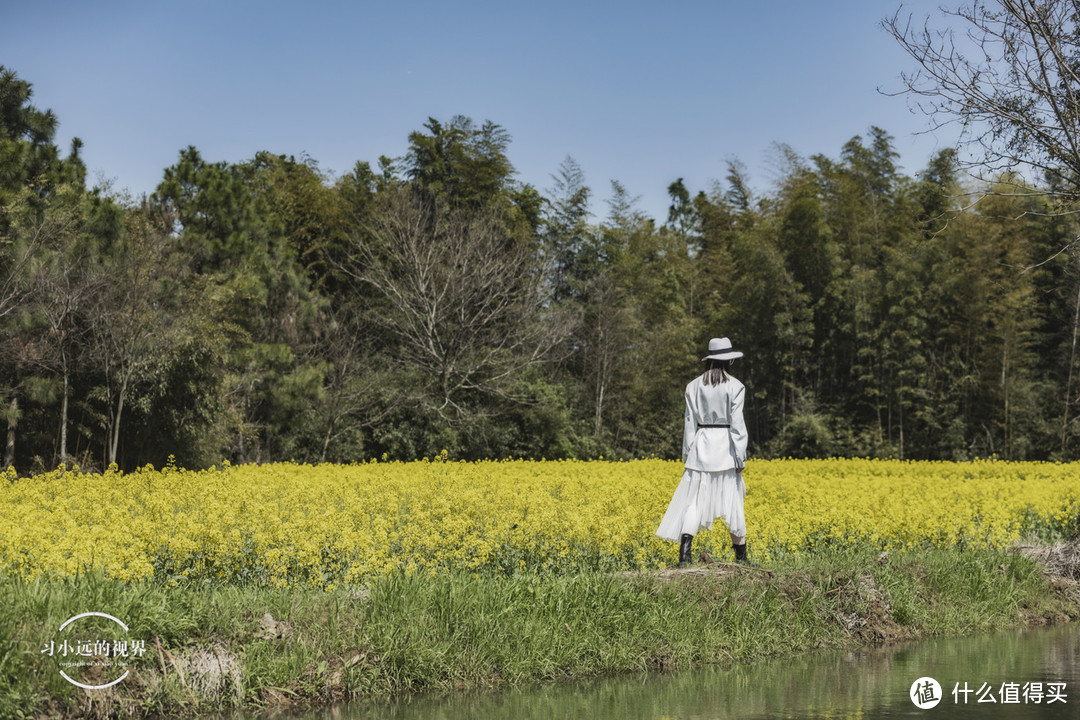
(128, 326)
(61, 291)
(356, 383)
(25, 231)
(464, 296)
(13, 261)
(1008, 74)
(28, 236)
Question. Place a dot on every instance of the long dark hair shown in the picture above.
(716, 371)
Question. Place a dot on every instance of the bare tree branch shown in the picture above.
(1010, 78)
(465, 296)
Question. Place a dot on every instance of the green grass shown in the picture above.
(405, 634)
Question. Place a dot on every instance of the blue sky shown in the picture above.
(639, 92)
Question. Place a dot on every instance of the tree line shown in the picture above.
(264, 310)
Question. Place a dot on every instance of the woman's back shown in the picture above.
(714, 434)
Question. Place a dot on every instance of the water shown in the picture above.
(871, 684)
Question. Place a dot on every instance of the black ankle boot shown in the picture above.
(685, 550)
(740, 553)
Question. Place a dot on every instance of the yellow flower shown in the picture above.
(287, 524)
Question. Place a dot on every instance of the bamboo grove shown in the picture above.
(266, 311)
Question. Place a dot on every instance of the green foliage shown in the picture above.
(259, 311)
(28, 156)
(460, 162)
(418, 633)
(806, 434)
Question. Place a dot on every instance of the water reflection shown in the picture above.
(872, 684)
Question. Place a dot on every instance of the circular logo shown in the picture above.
(95, 649)
(925, 693)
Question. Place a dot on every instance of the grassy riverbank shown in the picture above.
(212, 647)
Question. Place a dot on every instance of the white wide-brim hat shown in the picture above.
(720, 349)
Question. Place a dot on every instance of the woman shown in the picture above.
(714, 453)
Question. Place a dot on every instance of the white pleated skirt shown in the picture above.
(701, 498)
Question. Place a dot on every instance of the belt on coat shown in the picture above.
(719, 426)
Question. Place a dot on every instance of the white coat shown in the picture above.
(712, 449)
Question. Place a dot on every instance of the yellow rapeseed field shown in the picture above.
(286, 524)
